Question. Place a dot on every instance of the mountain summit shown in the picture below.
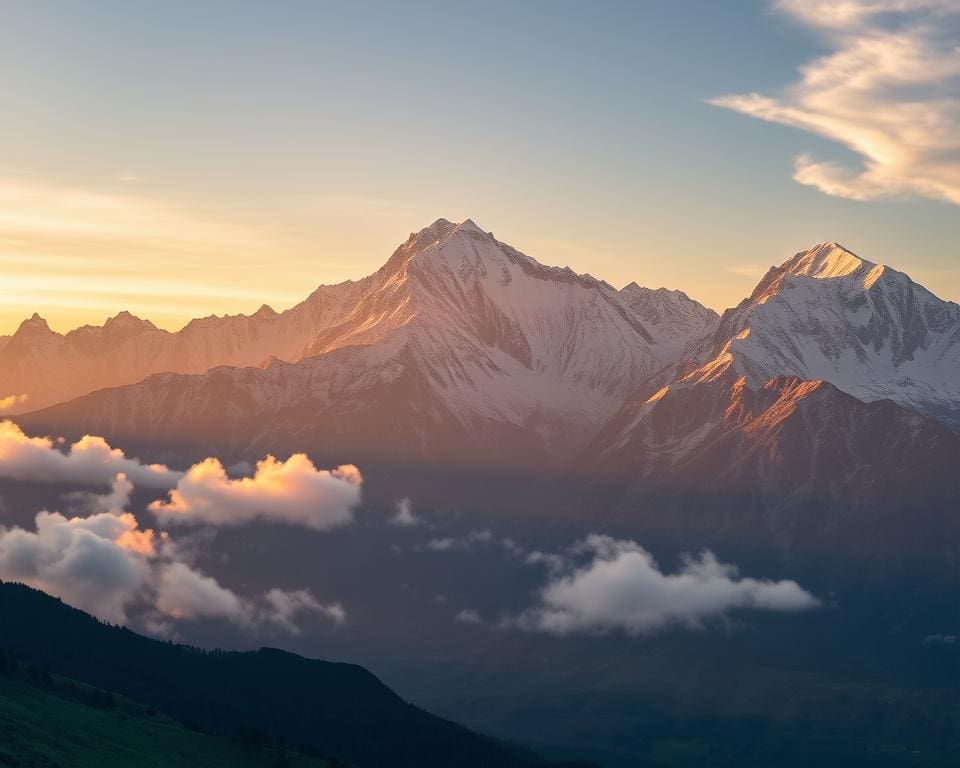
(867, 329)
(459, 347)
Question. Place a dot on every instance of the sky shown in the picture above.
(182, 159)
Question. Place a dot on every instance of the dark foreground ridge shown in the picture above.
(49, 721)
(316, 707)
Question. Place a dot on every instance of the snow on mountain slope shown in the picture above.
(865, 328)
(815, 415)
(672, 317)
(502, 336)
(475, 309)
(459, 345)
(50, 367)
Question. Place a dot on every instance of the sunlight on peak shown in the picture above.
(873, 275)
(659, 395)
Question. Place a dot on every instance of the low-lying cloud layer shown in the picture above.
(90, 461)
(292, 491)
(622, 588)
(889, 91)
(101, 560)
(106, 564)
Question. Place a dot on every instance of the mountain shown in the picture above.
(827, 314)
(459, 348)
(338, 709)
(48, 720)
(792, 466)
(818, 417)
(50, 367)
(672, 317)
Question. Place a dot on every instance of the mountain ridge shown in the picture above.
(335, 707)
(460, 344)
(49, 367)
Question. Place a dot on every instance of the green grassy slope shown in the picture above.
(59, 722)
(317, 707)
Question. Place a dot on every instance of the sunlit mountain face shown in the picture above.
(655, 462)
(508, 488)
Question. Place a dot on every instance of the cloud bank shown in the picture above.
(104, 563)
(86, 561)
(90, 461)
(622, 588)
(889, 91)
(292, 491)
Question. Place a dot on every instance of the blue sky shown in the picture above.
(185, 158)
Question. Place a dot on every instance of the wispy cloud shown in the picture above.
(78, 250)
(753, 271)
(404, 516)
(889, 91)
(460, 543)
(468, 616)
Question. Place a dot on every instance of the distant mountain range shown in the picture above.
(837, 381)
(459, 346)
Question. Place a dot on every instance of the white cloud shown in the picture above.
(622, 588)
(292, 491)
(90, 461)
(100, 563)
(282, 607)
(106, 564)
(554, 563)
(450, 543)
(468, 616)
(404, 516)
(889, 91)
(183, 593)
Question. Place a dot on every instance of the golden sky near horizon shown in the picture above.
(183, 159)
(77, 255)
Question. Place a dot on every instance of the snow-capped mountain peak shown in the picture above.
(826, 260)
(457, 334)
(672, 317)
(865, 328)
